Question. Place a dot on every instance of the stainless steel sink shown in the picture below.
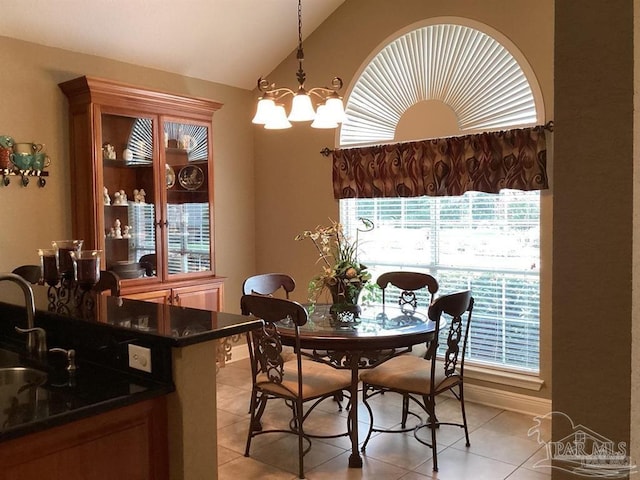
(20, 395)
(8, 358)
(21, 376)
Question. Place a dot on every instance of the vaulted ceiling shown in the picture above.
(225, 41)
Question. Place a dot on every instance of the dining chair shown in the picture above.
(269, 284)
(108, 281)
(409, 284)
(149, 263)
(296, 381)
(31, 273)
(420, 379)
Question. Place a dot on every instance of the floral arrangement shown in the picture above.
(342, 274)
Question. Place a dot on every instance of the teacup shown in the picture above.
(22, 160)
(25, 147)
(40, 161)
(6, 141)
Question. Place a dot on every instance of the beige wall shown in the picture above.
(593, 222)
(293, 181)
(35, 109)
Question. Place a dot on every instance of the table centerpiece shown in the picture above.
(342, 273)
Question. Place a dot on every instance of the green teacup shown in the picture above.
(22, 160)
(6, 141)
(40, 161)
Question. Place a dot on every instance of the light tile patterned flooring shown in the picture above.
(500, 447)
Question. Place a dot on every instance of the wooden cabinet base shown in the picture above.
(205, 294)
(129, 442)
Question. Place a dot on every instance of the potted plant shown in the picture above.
(342, 273)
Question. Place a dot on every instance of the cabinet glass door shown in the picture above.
(188, 213)
(129, 195)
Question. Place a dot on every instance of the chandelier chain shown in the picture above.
(300, 75)
(300, 24)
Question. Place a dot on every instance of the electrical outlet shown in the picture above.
(140, 358)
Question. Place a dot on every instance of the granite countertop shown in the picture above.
(175, 326)
(100, 330)
(62, 398)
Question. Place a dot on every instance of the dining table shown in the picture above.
(365, 340)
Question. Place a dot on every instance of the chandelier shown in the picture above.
(272, 114)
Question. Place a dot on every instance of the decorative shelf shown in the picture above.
(25, 174)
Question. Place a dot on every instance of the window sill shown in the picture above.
(512, 379)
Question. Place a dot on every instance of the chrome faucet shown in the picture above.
(36, 336)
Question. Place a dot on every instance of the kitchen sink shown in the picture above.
(21, 376)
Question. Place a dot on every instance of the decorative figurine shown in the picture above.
(118, 230)
(108, 152)
(105, 196)
(127, 155)
(126, 232)
(120, 198)
(139, 195)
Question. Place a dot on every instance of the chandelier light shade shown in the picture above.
(272, 115)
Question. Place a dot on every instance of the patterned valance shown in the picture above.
(486, 162)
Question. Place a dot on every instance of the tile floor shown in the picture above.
(500, 447)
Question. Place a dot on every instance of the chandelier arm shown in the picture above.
(269, 89)
(279, 93)
(321, 91)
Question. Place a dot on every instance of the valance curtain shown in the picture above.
(485, 162)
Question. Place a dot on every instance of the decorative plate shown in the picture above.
(171, 176)
(191, 177)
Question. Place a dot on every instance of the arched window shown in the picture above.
(451, 78)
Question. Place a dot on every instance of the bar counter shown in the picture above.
(100, 329)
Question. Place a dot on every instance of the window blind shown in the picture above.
(188, 238)
(488, 243)
(143, 230)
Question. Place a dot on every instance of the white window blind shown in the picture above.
(484, 242)
(188, 238)
(143, 230)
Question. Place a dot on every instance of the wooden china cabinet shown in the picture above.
(142, 188)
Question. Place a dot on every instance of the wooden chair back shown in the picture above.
(31, 273)
(269, 284)
(149, 263)
(408, 282)
(108, 281)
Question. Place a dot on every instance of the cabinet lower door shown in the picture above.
(156, 296)
(204, 297)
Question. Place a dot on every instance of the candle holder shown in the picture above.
(49, 266)
(65, 262)
(70, 273)
(86, 267)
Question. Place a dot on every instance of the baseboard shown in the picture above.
(505, 400)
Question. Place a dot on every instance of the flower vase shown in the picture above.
(344, 309)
